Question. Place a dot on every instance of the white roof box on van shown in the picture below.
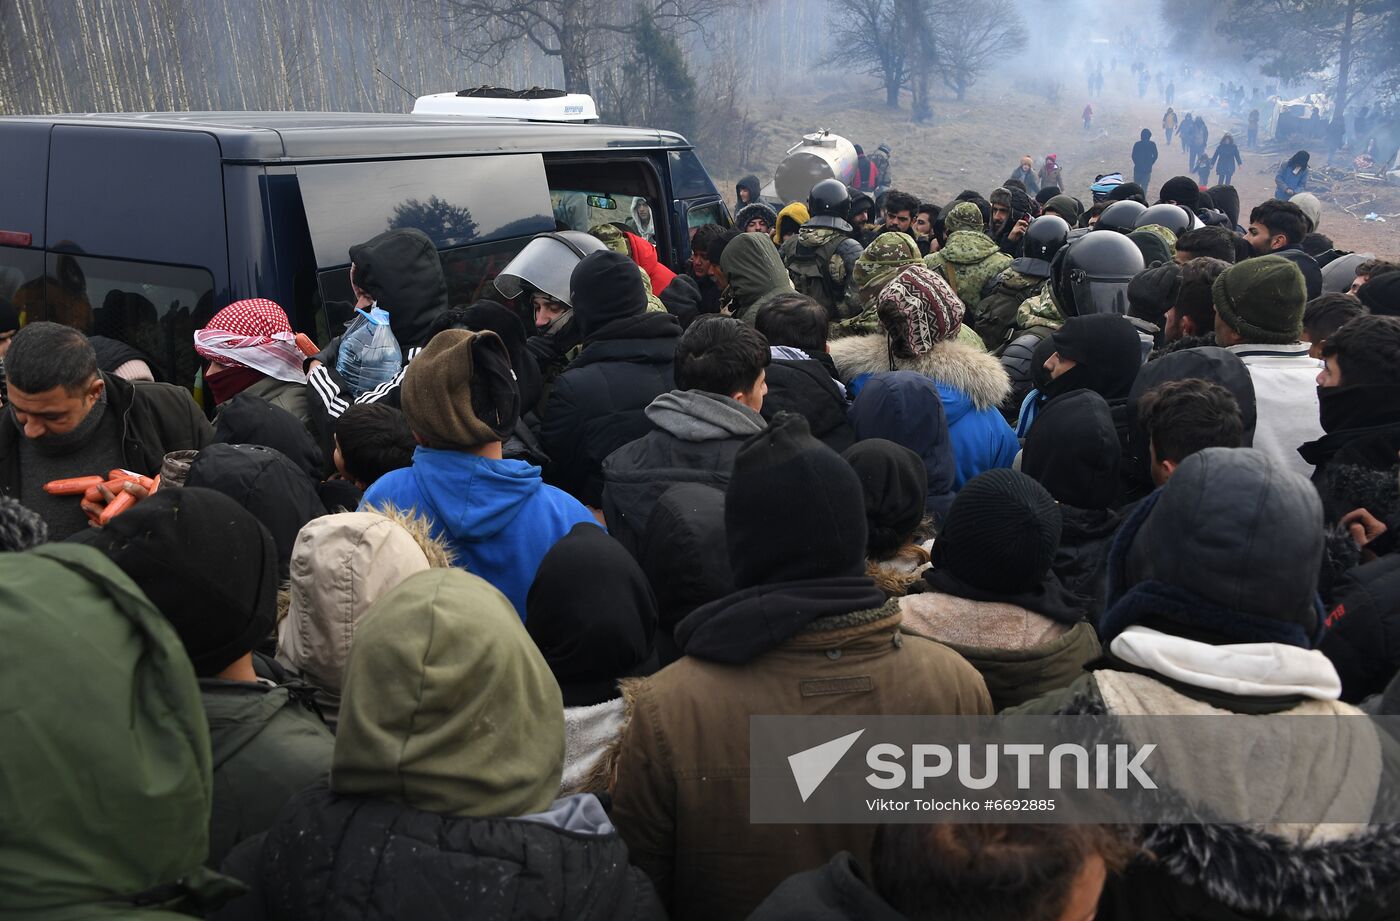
(534, 104)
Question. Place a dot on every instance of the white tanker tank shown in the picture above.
(820, 155)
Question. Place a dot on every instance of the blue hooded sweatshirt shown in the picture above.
(498, 516)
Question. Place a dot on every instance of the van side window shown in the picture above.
(20, 274)
(688, 176)
(153, 308)
(700, 215)
(581, 210)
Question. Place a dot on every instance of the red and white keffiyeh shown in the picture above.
(253, 334)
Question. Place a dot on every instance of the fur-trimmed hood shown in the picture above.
(1250, 870)
(341, 564)
(955, 364)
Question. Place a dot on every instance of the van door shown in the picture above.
(697, 201)
(24, 166)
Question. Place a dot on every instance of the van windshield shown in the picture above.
(580, 210)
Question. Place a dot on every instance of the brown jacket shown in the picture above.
(682, 788)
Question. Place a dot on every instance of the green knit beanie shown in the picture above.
(964, 216)
(1262, 299)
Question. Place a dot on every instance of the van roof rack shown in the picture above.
(533, 104)
(502, 92)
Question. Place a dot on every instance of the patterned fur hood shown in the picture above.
(1250, 870)
(955, 364)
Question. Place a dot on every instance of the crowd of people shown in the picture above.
(472, 626)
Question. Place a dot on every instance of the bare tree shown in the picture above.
(972, 34)
(570, 30)
(870, 35)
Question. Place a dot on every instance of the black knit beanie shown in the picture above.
(206, 563)
(793, 510)
(1001, 533)
(1382, 294)
(895, 485)
(605, 286)
(1183, 190)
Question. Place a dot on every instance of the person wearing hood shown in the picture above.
(108, 785)
(790, 220)
(1025, 174)
(498, 516)
(592, 614)
(696, 428)
(907, 408)
(1358, 394)
(970, 258)
(684, 558)
(921, 318)
(756, 217)
(803, 611)
(895, 485)
(746, 191)
(992, 596)
(1228, 623)
(341, 565)
(801, 377)
(267, 483)
(442, 801)
(1051, 174)
(1259, 307)
(598, 404)
(250, 348)
(1227, 200)
(1292, 176)
(211, 569)
(250, 420)
(65, 418)
(1074, 452)
(1099, 352)
(752, 275)
(644, 222)
(1144, 158)
(398, 271)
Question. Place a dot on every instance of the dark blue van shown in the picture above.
(140, 226)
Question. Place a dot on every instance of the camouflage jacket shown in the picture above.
(969, 261)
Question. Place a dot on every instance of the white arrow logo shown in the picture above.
(810, 766)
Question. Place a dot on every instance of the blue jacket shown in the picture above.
(1288, 183)
(498, 516)
(981, 439)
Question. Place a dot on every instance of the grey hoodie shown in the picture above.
(695, 439)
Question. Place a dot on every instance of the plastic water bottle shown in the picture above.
(369, 353)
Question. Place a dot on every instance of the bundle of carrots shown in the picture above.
(91, 489)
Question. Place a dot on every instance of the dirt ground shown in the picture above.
(976, 145)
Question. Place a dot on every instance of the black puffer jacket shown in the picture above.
(807, 388)
(598, 404)
(266, 483)
(333, 857)
(248, 420)
(1073, 451)
(1363, 628)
